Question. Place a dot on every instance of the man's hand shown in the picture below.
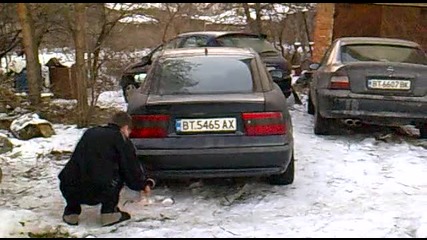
(150, 183)
(147, 190)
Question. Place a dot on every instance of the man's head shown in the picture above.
(124, 121)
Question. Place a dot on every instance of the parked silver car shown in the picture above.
(366, 80)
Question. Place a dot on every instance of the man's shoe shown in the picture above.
(108, 219)
(71, 219)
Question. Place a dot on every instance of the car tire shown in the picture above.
(310, 106)
(286, 177)
(423, 131)
(322, 126)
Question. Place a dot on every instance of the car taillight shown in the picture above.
(264, 123)
(150, 126)
(339, 82)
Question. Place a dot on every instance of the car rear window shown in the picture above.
(260, 45)
(204, 74)
(383, 53)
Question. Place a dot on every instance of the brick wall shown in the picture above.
(405, 22)
(323, 26)
(371, 20)
(357, 20)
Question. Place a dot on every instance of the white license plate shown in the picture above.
(270, 68)
(389, 84)
(206, 125)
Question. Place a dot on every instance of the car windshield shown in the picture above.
(202, 74)
(383, 53)
(258, 44)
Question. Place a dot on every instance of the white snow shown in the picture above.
(139, 19)
(227, 17)
(107, 99)
(349, 185)
(134, 6)
(112, 99)
(235, 16)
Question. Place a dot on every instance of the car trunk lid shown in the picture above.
(395, 79)
(211, 121)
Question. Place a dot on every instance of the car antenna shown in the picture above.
(206, 51)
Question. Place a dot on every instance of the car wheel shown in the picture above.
(322, 126)
(310, 106)
(423, 131)
(286, 177)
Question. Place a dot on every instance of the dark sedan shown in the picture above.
(269, 54)
(363, 80)
(212, 112)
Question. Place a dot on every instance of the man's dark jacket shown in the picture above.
(103, 159)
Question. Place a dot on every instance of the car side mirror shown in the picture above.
(263, 36)
(146, 60)
(314, 66)
(276, 74)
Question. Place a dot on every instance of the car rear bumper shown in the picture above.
(373, 109)
(216, 162)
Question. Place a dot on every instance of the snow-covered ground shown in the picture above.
(67, 56)
(345, 186)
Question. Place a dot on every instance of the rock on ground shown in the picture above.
(5, 144)
(30, 125)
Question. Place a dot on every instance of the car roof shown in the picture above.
(201, 51)
(215, 33)
(376, 40)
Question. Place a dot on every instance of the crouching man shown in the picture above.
(103, 161)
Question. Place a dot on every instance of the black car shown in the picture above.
(212, 112)
(366, 80)
(269, 54)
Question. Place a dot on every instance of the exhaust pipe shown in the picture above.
(349, 122)
(357, 123)
(353, 122)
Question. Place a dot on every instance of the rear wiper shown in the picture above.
(175, 93)
(268, 51)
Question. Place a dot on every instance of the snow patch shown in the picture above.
(112, 99)
(139, 19)
(11, 222)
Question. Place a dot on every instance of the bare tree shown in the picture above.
(102, 27)
(31, 53)
(172, 11)
(47, 17)
(253, 24)
(81, 76)
(9, 32)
